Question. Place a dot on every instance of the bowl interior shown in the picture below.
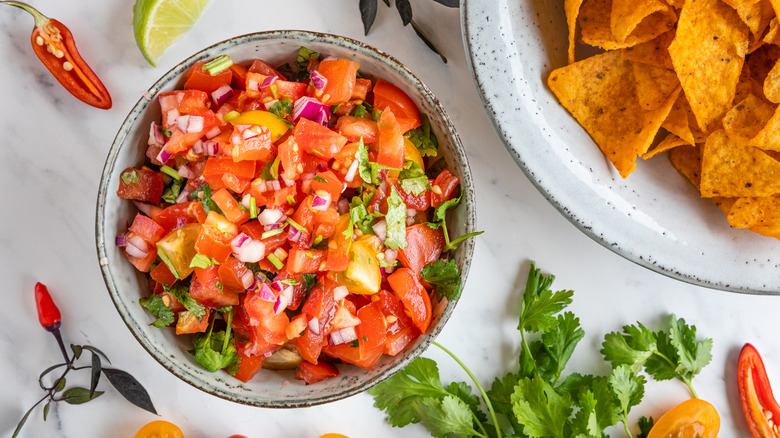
(126, 285)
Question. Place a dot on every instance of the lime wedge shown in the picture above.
(159, 23)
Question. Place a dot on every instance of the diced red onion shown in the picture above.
(270, 216)
(318, 80)
(213, 132)
(273, 185)
(245, 201)
(269, 104)
(340, 292)
(278, 285)
(171, 116)
(252, 84)
(323, 116)
(121, 240)
(314, 325)
(195, 124)
(272, 226)
(265, 293)
(211, 148)
(164, 156)
(222, 94)
(288, 182)
(247, 279)
(247, 249)
(268, 81)
(136, 247)
(143, 207)
(322, 167)
(259, 185)
(351, 171)
(248, 133)
(180, 222)
(320, 202)
(185, 172)
(343, 336)
(308, 108)
(284, 300)
(390, 255)
(388, 270)
(253, 287)
(183, 197)
(380, 229)
(294, 234)
(182, 122)
(268, 354)
(239, 241)
(197, 148)
(156, 136)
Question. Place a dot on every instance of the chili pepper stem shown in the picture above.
(55, 330)
(40, 19)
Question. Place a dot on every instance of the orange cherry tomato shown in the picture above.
(691, 418)
(159, 429)
(333, 435)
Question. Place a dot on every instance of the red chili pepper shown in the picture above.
(54, 45)
(758, 402)
(48, 313)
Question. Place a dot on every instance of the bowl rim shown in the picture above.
(303, 36)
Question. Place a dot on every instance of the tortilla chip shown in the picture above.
(754, 122)
(596, 26)
(678, 120)
(572, 8)
(756, 14)
(756, 212)
(687, 161)
(654, 52)
(708, 52)
(628, 14)
(772, 35)
(600, 92)
(677, 4)
(724, 204)
(654, 85)
(733, 170)
(670, 142)
(761, 62)
(772, 84)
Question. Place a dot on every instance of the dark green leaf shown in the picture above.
(203, 194)
(209, 353)
(632, 347)
(405, 10)
(645, 424)
(76, 350)
(367, 14)
(155, 305)
(449, 3)
(77, 396)
(561, 341)
(440, 213)
(21, 422)
(444, 276)
(46, 408)
(629, 388)
(500, 395)
(96, 350)
(418, 30)
(449, 416)
(48, 370)
(663, 366)
(129, 388)
(463, 392)
(401, 395)
(694, 355)
(281, 109)
(540, 304)
(60, 385)
(302, 61)
(96, 368)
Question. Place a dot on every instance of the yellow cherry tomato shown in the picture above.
(333, 435)
(159, 429)
(413, 154)
(262, 118)
(694, 418)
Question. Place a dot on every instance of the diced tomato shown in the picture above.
(355, 128)
(144, 263)
(204, 81)
(399, 336)
(315, 373)
(417, 302)
(230, 207)
(362, 87)
(210, 245)
(327, 182)
(318, 140)
(342, 76)
(217, 167)
(304, 215)
(325, 223)
(296, 327)
(183, 101)
(298, 287)
(163, 275)
(424, 245)
(444, 188)
(189, 323)
(248, 366)
(205, 290)
(239, 76)
(291, 159)
(181, 141)
(338, 246)
(262, 67)
(309, 345)
(392, 151)
(178, 214)
(320, 305)
(346, 352)
(372, 330)
(258, 148)
(305, 261)
(144, 185)
(266, 325)
(295, 90)
(419, 202)
(255, 230)
(387, 95)
(231, 274)
(147, 228)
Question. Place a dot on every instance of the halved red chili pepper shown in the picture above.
(758, 402)
(54, 45)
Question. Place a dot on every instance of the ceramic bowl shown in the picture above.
(126, 285)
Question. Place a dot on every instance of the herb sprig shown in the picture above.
(538, 400)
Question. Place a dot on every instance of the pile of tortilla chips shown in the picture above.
(697, 78)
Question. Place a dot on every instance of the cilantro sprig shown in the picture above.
(539, 399)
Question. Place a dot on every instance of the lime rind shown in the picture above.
(157, 24)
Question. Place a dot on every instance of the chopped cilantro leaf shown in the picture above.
(173, 190)
(201, 261)
(424, 138)
(304, 55)
(281, 109)
(444, 276)
(204, 195)
(396, 221)
(413, 179)
(154, 304)
(320, 179)
(182, 294)
(130, 177)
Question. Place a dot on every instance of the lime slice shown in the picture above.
(159, 23)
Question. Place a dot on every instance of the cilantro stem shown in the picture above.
(625, 426)
(479, 387)
(686, 380)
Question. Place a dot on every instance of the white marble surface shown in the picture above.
(52, 155)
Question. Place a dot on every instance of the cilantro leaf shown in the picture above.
(463, 392)
(440, 213)
(424, 138)
(281, 109)
(209, 351)
(444, 276)
(173, 190)
(629, 387)
(396, 221)
(412, 178)
(361, 155)
(561, 341)
(645, 424)
(154, 304)
(632, 348)
(540, 304)
(542, 411)
(447, 417)
(694, 355)
(500, 395)
(203, 193)
(182, 294)
(302, 62)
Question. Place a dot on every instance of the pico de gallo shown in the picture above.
(292, 217)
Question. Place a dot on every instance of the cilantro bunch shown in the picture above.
(539, 399)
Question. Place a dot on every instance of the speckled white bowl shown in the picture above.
(654, 218)
(126, 285)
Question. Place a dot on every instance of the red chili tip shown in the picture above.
(48, 313)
